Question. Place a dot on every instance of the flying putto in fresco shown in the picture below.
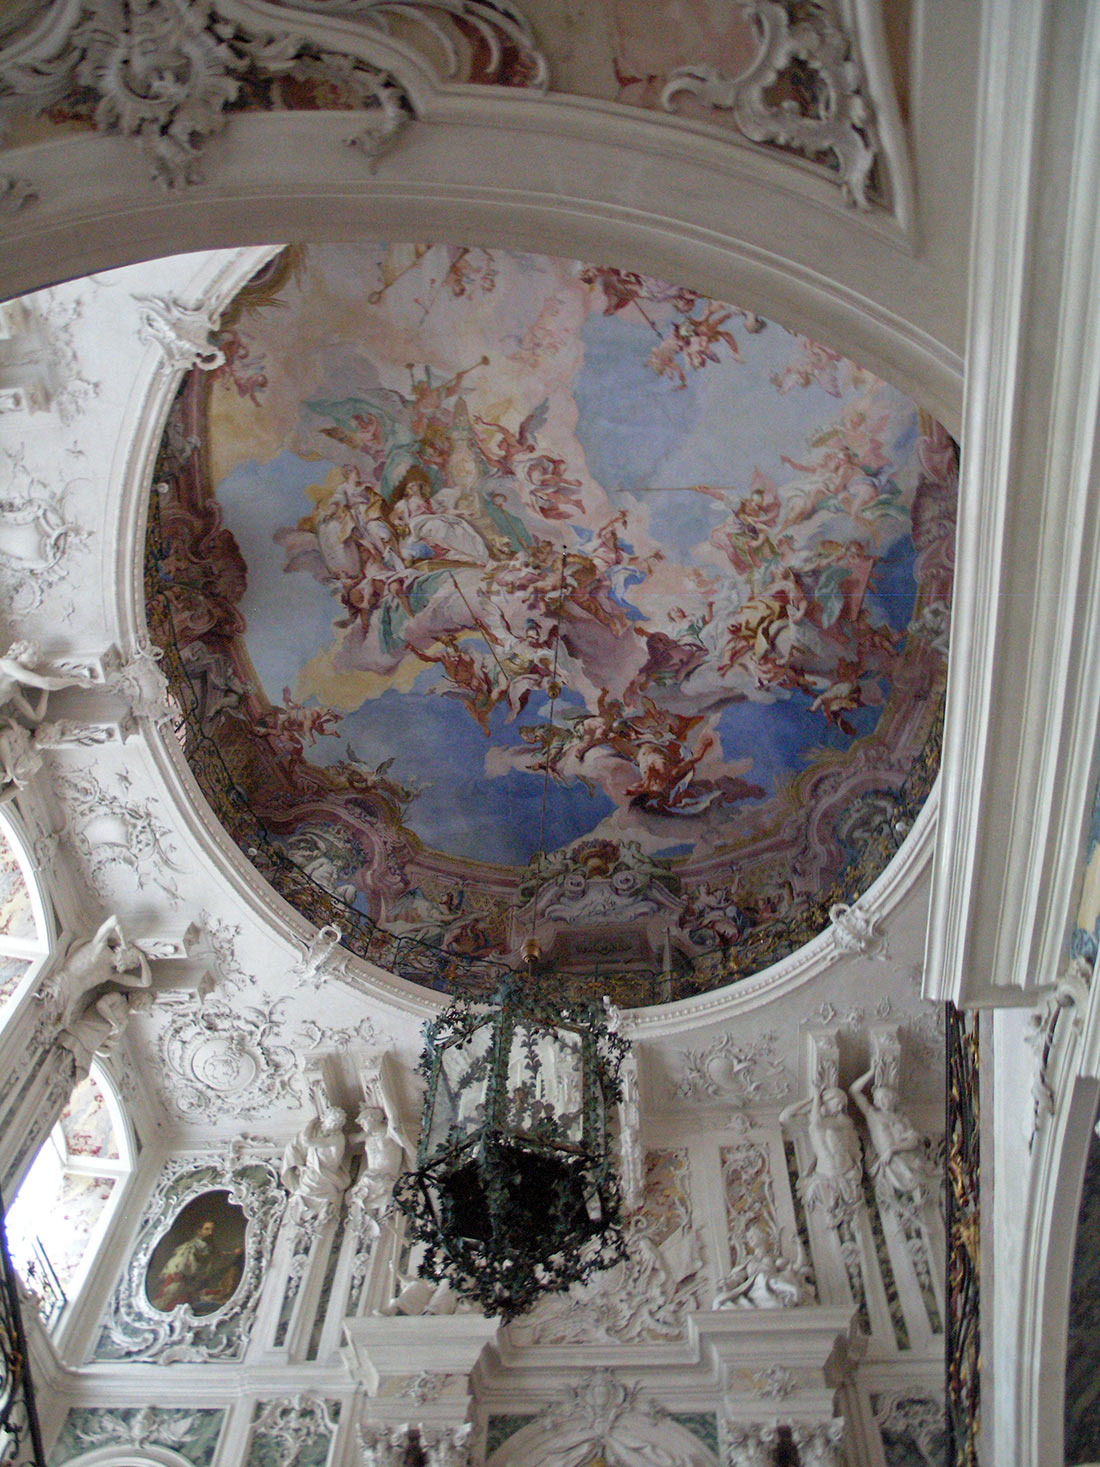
(561, 522)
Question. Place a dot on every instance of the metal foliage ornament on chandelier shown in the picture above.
(514, 1193)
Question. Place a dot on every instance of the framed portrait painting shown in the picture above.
(199, 1261)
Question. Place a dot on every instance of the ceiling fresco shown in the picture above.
(462, 553)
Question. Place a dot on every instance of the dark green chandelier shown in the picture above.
(514, 1193)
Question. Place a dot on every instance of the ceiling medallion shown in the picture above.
(427, 485)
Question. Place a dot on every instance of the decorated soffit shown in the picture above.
(809, 80)
(459, 553)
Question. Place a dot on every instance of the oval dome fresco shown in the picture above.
(464, 554)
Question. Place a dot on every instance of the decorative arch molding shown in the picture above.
(199, 304)
(817, 94)
(122, 1456)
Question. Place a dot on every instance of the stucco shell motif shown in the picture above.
(464, 553)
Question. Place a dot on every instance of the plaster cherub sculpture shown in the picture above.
(106, 960)
(765, 1277)
(314, 1170)
(834, 1181)
(19, 674)
(901, 1158)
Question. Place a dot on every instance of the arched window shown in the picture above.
(62, 1210)
(24, 926)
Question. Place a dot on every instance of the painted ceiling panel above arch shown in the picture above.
(428, 484)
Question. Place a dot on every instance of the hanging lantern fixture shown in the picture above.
(514, 1193)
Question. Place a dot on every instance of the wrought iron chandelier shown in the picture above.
(514, 1192)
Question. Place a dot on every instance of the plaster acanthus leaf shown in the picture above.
(132, 1328)
(16, 194)
(854, 932)
(109, 831)
(734, 1071)
(182, 333)
(603, 1417)
(776, 1383)
(1048, 1035)
(749, 1444)
(506, 36)
(920, 1419)
(37, 539)
(219, 939)
(429, 1385)
(289, 1424)
(317, 955)
(137, 680)
(168, 1427)
(169, 73)
(821, 1444)
(837, 121)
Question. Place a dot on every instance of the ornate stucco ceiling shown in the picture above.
(446, 521)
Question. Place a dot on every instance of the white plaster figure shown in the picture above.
(833, 1182)
(749, 1444)
(901, 1158)
(447, 1446)
(313, 1169)
(820, 1445)
(20, 758)
(104, 960)
(383, 1156)
(382, 1446)
(765, 1278)
(100, 1026)
(19, 674)
(423, 1296)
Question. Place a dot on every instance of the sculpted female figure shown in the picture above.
(314, 1170)
(900, 1155)
(833, 1183)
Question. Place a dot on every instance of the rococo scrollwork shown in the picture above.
(173, 1310)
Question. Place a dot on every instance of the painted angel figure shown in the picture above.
(834, 1180)
(901, 1158)
(765, 1277)
(26, 688)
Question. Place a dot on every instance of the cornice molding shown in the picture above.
(222, 54)
(1019, 751)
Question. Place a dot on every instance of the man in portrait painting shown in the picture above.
(198, 1273)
